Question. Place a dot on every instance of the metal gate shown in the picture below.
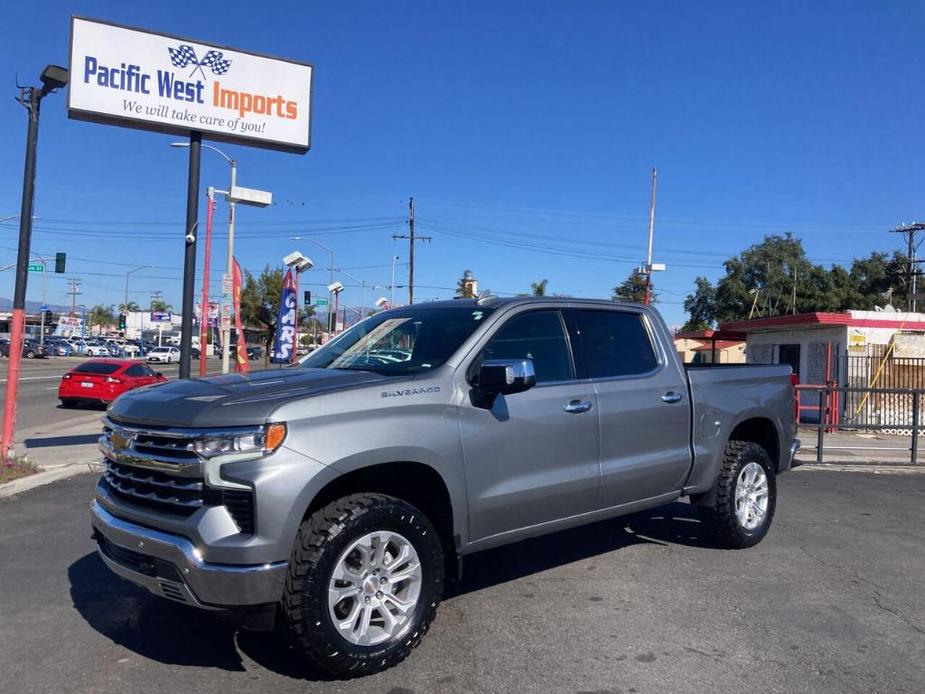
(876, 372)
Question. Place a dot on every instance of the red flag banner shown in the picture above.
(243, 365)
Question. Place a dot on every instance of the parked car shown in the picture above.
(163, 354)
(115, 349)
(58, 347)
(92, 348)
(31, 349)
(254, 353)
(103, 380)
(334, 495)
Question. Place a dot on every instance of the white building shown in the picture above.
(853, 349)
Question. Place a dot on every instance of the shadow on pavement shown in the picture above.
(173, 634)
(676, 523)
(49, 441)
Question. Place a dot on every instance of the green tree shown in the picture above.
(260, 298)
(99, 316)
(700, 306)
(633, 288)
(464, 286)
(539, 288)
(160, 305)
(130, 307)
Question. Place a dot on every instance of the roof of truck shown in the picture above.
(496, 301)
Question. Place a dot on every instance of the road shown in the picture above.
(38, 388)
(831, 601)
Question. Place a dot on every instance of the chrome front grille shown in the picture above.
(159, 469)
(154, 468)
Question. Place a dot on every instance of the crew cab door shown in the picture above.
(642, 403)
(534, 456)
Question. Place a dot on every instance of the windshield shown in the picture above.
(402, 341)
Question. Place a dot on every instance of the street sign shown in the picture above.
(161, 316)
(36, 267)
(226, 284)
(321, 302)
(45, 308)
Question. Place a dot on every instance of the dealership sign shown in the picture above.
(139, 79)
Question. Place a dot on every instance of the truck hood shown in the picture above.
(232, 399)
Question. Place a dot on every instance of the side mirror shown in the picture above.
(506, 376)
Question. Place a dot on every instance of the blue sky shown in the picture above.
(526, 132)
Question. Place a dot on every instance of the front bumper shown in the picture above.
(170, 566)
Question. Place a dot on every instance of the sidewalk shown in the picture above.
(846, 449)
(61, 451)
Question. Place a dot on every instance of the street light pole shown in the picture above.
(392, 285)
(204, 307)
(331, 323)
(53, 77)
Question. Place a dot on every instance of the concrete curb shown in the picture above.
(40, 479)
(875, 468)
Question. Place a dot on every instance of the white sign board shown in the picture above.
(140, 79)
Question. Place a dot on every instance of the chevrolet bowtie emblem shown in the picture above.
(122, 439)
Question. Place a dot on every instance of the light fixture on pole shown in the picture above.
(234, 194)
(335, 288)
(330, 250)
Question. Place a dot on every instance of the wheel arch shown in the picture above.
(761, 431)
(417, 483)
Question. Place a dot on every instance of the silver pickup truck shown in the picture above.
(332, 498)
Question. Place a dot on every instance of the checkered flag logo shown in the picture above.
(215, 61)
(185, 55)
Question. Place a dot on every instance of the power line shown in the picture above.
(909, 231)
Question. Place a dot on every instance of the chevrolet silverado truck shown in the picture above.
(331, 499)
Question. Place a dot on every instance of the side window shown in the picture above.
(135, 371)
(536, 335)
(148, 371)
(614, 343)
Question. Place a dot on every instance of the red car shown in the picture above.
(103, 380)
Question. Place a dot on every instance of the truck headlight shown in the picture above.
(240, 445)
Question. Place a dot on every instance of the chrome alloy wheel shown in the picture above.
(751, 496)
(374, 588)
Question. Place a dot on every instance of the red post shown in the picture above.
(12, 381)
(204, 312)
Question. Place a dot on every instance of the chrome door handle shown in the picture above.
(577, 406)
(672, 397)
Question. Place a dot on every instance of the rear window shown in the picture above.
(614, 343)
(97, 368)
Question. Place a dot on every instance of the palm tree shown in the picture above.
(99, 316)
(130, 307)
(160, 305)
(539, 288)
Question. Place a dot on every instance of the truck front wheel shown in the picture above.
(745, 496)
(365, 579)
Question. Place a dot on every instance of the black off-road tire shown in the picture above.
(719, 520)
(321, 540)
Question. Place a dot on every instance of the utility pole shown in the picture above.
(411, 239)
(75, 290)
(156, 296)
(909, 231)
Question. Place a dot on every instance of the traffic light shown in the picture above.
(121, 321)
(308, 297)
(60, 260)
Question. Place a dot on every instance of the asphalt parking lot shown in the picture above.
(831, 601)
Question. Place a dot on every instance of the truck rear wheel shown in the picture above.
(745, 495)
(365, 579)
